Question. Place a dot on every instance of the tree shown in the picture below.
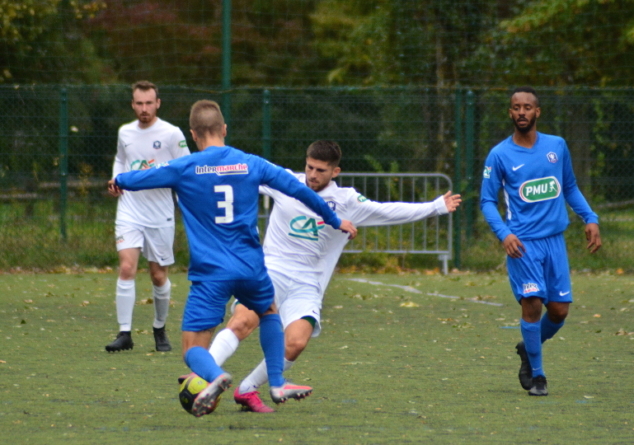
(41, 41)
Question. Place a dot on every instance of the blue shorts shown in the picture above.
(206, 304)
(542, 271)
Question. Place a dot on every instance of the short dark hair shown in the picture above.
(527, 89)
(327, 151)
(205, 117)
(145, 85)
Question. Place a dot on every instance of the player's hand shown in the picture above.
(349, 228)
(513, 246)
(593, 236)
(452, 201)
(113, 189)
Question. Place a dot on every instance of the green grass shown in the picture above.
(391, 366)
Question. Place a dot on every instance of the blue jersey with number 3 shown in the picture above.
(537, 183)
(218, 196)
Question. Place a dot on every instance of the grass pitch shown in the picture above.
(401, 359)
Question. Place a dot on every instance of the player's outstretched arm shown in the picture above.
(593, 236)
(113, 189)
(349, 228)
(452, 201)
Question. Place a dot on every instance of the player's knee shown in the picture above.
(242, 327)
(295, 346)
(127, 271)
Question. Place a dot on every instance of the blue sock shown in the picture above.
(272, 342)
(549, 329)
(532, 343)
(202, 363)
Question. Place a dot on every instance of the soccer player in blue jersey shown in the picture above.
(535, 171)
(218, 196)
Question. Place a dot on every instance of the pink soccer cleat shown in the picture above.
(251, 401)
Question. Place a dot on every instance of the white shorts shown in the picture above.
(297, 299)
(156, 243)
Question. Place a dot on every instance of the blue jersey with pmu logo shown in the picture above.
(218, 196)
(537, 183)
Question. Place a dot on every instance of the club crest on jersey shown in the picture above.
(552, 157)
(156, 145)
(332, 205)
(223, 170)
(306, 228)
(530, 287)
(361, 198)
(487, 172)
(541, 189)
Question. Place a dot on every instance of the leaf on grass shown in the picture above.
(85, 303)
(597, 315)
(146, 301)
(29, 301)
(409, 304)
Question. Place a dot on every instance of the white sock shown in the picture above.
(259, 377)
(223, 346)
(125, 297)
(161, 303)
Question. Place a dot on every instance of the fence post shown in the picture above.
(226, 66)
(457, 233)
(266, 124)
(63, 160)
(469, 160)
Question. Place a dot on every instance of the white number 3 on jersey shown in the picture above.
(226, 204)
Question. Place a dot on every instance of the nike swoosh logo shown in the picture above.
(518, 167)
(561, 294)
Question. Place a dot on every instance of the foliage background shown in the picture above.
(402, 85)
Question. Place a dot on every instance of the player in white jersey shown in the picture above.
(301, 253)
(145, 219)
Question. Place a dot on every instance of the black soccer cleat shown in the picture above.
(540, 386)
(162, 342)
(121, 343)
(525, 374)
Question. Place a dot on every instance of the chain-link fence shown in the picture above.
(58, 145)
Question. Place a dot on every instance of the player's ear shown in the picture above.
(158, 103)
(194, 136)
(538, 111)
(336, 172)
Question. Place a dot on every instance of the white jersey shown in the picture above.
(140, 149)
(299, 244)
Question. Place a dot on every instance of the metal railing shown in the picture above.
(432, 236)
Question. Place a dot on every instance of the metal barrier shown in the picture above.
(429, 236)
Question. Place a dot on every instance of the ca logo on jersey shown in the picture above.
(487, 172)
(141, 164)
(306, 228)
(541, 189)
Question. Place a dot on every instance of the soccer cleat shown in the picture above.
(539, 387)
(162, 342)
(281, 394)
(207, 400)
(525, 374)
(251, 401)
(121, 343)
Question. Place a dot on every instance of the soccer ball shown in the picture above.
(189, 389)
